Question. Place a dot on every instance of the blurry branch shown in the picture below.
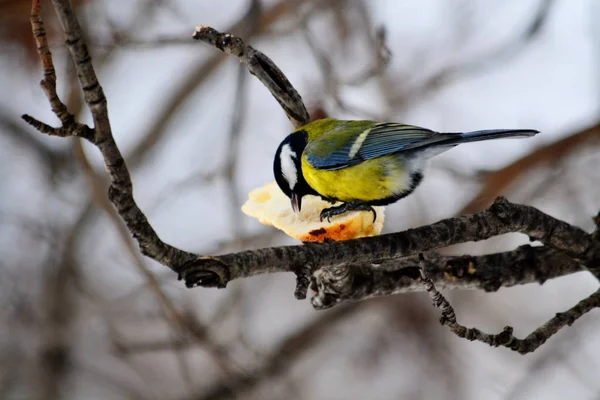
(284, 355)
(379, 53)
(198, 76)
(497, 182)
(263, 68)
(96, 185)
(143, 15)
(108, 379)
(478, 64)
(382, 58)
(266, 20)
(506, 338)
(501, 54)
(54, 160)
(183, 90)
(152, 346)
(234, 143)
(410, 91)
(60, 310)
(560, 239)
(331, 82)
(254, 22)
(563, 347)
(119, 42)
(120, 37)
(185, 325)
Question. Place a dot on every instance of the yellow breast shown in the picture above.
(371, 180)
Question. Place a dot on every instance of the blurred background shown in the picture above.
(84, 316)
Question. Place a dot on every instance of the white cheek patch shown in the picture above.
(288, 166)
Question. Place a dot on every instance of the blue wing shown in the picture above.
(354, 147)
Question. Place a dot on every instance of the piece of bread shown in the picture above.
(271, 206)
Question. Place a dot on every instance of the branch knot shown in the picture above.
(331, 283)
(205, 271)
(501, 208)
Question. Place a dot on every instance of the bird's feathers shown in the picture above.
(362, 142)
(496, 134)
(347, 143)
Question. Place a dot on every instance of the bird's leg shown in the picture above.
(355, 205)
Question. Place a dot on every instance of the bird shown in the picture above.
(363, 163)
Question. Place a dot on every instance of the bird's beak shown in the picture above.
(296, 202)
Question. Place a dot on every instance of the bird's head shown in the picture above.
(287, 168)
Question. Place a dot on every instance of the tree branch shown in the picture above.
(506, 337)
(263, 68)
(121, 189)
(526, 264)
(502, 217)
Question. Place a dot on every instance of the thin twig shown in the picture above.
(506, 337)
(263, 68)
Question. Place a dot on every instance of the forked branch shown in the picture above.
(506, 338)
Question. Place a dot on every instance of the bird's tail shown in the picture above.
(489, 134)
(445, 141)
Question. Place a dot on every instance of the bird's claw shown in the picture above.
(326, 213)
(346, 207)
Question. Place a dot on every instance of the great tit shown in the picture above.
(363, 163)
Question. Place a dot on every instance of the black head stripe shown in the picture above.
(297, 142)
